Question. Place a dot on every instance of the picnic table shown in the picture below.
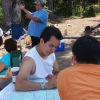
(9, 93)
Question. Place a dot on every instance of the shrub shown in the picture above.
(89, 12)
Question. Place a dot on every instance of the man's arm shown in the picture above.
(25, 10)
(23, 84)
(33, 18)
(56, 69)
(28, 14)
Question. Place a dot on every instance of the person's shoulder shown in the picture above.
(52, 55)
(69, 70)
(44, 10)
(30, 52)
(6, 55)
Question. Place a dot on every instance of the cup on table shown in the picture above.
(15, 71)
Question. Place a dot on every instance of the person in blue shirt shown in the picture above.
(10, 45)
(38, 22)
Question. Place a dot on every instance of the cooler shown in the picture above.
(61, 46)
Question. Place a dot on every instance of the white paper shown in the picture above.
(9, 93)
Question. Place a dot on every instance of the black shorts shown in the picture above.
(35, 40)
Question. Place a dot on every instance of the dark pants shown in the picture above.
(35, 40)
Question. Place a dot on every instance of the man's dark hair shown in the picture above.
(10, 44)
(51, 31)
(87, 50)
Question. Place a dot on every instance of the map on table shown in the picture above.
(9, 93)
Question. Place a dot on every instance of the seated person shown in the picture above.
(88, 30)
(40, 63)
(82, 80)
(10, 45)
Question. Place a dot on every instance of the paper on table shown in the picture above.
(9, 93)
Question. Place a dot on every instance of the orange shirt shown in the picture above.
(79, 82)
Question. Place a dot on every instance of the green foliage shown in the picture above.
(47, 9)
(1, 14)
(90, 12)
(78, 10)
(93, 1)
(61, 9)
(48, 24)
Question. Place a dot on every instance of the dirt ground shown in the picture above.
(70, 27)
(74, 27)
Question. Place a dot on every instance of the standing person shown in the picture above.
(40, 63)
(82, 80)
(38, 22)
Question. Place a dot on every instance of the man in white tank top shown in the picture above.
(40, 63)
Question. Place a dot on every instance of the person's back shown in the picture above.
(10, 45)
(82, 80)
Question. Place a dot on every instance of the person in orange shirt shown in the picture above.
(81, 81)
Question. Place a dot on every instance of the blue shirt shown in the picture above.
(6, 60)
(35, 28)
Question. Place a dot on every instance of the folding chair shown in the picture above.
(16, 57)
(17, 30)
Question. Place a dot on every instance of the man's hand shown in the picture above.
(22, 7)
(28, 16)
(52, 83)
(50, 76)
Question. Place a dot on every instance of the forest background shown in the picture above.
(77, 13)
(56, 8)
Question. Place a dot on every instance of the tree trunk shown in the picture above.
(11, 12)
(70, 7)
(50, 6)
(84, 6)
(16, 12)
(7, 12)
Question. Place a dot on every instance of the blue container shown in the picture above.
(61, 46)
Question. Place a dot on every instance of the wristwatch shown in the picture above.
(42, 85)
